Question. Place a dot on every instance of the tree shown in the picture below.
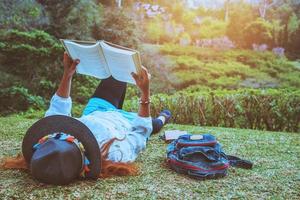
(155, 30)
(212, 28)
(72, 18)
(240, 15)
(287, 20)
(265, 5)
(258, 32)
(178, 10)
(117, 27)
(23, 15)
(119, 3)
(226, 7)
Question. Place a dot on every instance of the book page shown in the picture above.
(174, 134)
(92, 61)
(120, 62)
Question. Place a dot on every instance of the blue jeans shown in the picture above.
(114, 92)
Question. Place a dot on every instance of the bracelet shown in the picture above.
(145, 102)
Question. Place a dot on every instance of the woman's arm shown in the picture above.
(61, 103)
(143, 82)
(144, 108)
(69, 70)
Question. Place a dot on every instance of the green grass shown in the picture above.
(275, 174)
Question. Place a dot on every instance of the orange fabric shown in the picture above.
(70, 139)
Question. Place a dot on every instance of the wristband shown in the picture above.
(144, 102)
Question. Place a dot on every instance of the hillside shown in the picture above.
(193, 67)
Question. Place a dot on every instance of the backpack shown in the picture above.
(201, 157)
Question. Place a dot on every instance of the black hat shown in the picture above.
(59, 148)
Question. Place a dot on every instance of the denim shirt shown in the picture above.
(107, 122)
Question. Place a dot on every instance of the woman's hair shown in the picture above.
(108, 167)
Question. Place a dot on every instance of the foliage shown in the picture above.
(185, 39)
(33, 60)
(31, 56)
(287, 16)
(230, 69)
(276, 110)
(258, 32)
(107, 2)
(155, 31)
(212, 28)
(24, 15)
(83, 87)
(17, 98)
(239, 16)
(117, 27)
(222, 43)
(72, 19)
(294, 45)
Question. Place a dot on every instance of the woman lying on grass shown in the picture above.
(103, 142)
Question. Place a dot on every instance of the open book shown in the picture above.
(173, 134)
(102, 59)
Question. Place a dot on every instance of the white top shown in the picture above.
(106, 125)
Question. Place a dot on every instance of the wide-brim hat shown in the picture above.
(59, 123)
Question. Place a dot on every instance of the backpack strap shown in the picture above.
(238, 162)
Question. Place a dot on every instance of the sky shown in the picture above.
(210, 3)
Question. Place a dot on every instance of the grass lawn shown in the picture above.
(276, 174)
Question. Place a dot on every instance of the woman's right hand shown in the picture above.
(142, 80)
(69, 65)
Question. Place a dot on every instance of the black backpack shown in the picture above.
(201, 157)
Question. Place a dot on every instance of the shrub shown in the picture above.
(83, 87)
(185, 39)
(222, 43)
(32, 56)
(274, 110)
(278, 51)
(25, 52)
(260, 47)
(198, 52)
(187, 61)
(17, 98)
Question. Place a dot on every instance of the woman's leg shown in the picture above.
(157, 125)
(112, 91)
(163, 118)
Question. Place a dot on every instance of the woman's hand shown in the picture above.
(69, 65)
(64, 87)
(142, 80)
